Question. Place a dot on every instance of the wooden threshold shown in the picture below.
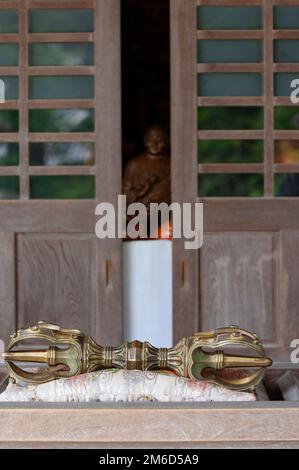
(192, 425)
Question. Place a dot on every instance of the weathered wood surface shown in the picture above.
(183, 158)
(227, 425)
(59, 273)
(57, 280)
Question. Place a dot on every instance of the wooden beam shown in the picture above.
(286, 67)
(282, 101)
(230, 101)
(9, 37)
(62, 137)
(79, 170)
(10, 5)
(9, 170)
(186, 315)
(60, 70)
(286, 33)
(108, 313)
(231, 135)
(234, 34)
(230, 168)
(286, 135)
(61, 104)
(184, 425)
(61, 4)
(230, 68)
(268, 97)
(9, 71)
(284, 3)
(233, 3)
(9, 104)
(23, 98)
(60, 37)
(286, 167)
(9, 137)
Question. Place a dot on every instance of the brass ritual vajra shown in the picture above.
(71, 353)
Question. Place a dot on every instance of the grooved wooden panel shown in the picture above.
(288, 283)
(7, 285)
(56, 279)
(238, 282)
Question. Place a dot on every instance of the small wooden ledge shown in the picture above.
(187, 425)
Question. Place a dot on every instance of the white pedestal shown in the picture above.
(147, 281)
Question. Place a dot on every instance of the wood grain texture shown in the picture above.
(61, 170)
(248, 269)
(61, 104)
(288, 287)
(56, 280)
(7, 285)
(184, 157)
(268, 99)
(62, 136)
(286, 33)
(75, 216)
(230, 68)
(236, 168)
(23, 97)
(108, 321)
(238, 283)
(230, 101)
(61, 4)
(60, 37)
(170, 425)
(40, 71)
(229, 34)
(229, 2)
(232, 135)
(9, 37)
(240, 214)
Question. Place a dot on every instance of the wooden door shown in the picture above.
(233, 63)
(60, 132)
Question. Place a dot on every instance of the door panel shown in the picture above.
(241, 161)
(56, 279)
(238, 271)
(249, 277)
(68, 143)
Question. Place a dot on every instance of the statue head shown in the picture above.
(155, 141)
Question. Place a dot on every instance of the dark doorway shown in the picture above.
(145, 70)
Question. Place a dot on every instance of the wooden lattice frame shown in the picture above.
(23, 104)
(268, 101)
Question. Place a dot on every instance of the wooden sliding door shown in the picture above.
(60, 155)
(233, 64)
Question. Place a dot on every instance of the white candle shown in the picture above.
(147, 283)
